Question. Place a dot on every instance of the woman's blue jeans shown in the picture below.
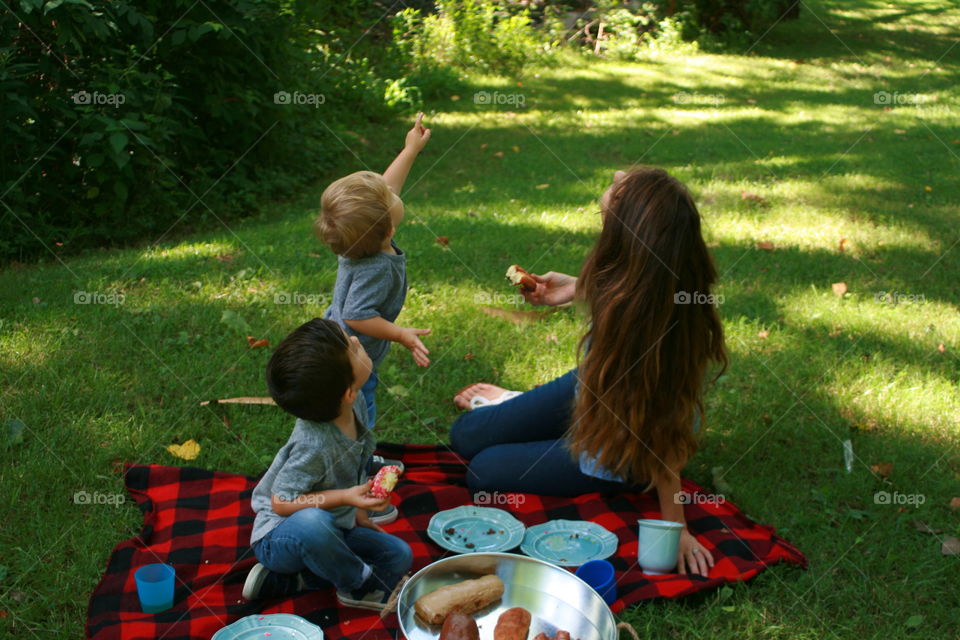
(519, 445)
(309, 542)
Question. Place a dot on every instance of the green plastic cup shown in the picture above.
(657, 545)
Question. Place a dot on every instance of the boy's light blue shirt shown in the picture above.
(316, 457)
(366, 288)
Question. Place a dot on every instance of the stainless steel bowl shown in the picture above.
(555, 598)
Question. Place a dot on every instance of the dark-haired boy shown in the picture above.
(312, 528)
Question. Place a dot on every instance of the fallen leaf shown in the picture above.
(454, 98)
(3, 614)
(483, 146)
(843, 241)
(545, 185)
(923, 527)
(116, 466)
(900, 131)
(498, 154)
(955, 504)
(189, 450)
(839, 288)
(751, 101)
(882, 469)
(515, 148)
(226, 257)
(914, 621)
(766, 246)
(950, 547)
(314, 255)
(928, 188)
(941, 348)
(240, 400)
(472, 214)
(752, 197)
(253, 343)
(468, 357)
(763, 335)
(553, 338)
(443, 241)
(513, 315)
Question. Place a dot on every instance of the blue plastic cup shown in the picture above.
(599, 575)
(657, 545)
(155, 587)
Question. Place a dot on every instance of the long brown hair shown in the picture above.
(654, 330)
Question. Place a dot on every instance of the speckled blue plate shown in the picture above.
(569, 543)
(272, 626)
(470, 529)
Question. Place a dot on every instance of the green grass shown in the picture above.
(797, 126)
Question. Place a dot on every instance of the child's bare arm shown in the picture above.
(357, 496)
(409, 337)
(396, 173)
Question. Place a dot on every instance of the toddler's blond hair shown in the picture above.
(354, 215)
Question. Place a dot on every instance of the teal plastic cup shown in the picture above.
(599, 574)
(657, 545)
(155, 587)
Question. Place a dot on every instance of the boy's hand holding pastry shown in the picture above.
(360, 497)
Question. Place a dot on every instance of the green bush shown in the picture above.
(147, 115)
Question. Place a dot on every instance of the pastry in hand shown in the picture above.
(522, 278)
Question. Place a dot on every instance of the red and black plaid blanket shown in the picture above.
(199, 521)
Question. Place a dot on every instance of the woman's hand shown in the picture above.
(552, 289)
(692, 556)
(359, 497)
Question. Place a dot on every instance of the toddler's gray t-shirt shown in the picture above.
(367, 288)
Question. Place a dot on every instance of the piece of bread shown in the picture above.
(468, 597)
(513, 624)
(521, 277)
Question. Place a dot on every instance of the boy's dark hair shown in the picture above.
(310, 370)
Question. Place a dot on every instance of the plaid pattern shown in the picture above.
(199, 521)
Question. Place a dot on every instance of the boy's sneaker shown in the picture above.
(368, 596)
(263, 583)
(386, 516)
(377, 462)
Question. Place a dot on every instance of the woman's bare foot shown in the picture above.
(488, 391)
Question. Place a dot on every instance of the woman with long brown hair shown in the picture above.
(626, 418)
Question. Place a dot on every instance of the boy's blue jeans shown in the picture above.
(369, 390)
(519, 445)
(309, 542)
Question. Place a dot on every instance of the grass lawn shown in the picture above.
(804, 181)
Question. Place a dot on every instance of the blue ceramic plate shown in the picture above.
(273, 626)
(471, 529)
(569, 543)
